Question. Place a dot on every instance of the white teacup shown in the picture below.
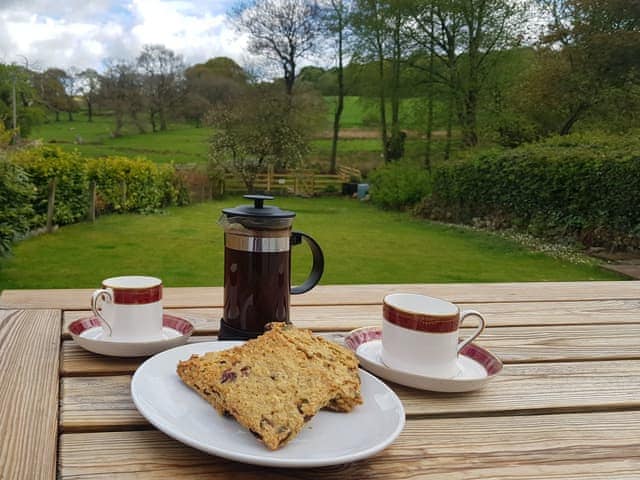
(129, 308)
(420, 334)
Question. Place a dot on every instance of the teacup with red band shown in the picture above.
(420, 334)
(129, 307)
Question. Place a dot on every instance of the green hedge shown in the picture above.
(16, 196)
(122, 185)
(399, 185)
(582, 186)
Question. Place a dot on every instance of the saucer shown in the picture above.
(477, 366)
(88, 333)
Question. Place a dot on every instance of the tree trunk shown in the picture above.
(163, 120)
(152, 121)
(383, 107)
(469, 119)
(447, 146)
(90, 111)
(571, 121)
(340, 106)
(57, 115)
(427, 152)
(396, 143)
(70, 115)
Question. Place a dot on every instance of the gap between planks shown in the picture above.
(104, 403)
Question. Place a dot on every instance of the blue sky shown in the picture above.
(83, 33)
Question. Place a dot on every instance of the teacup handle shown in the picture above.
(471, 313)
(103, 294)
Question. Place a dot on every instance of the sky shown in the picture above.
(84, 33)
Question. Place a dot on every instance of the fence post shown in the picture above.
(51, 203)
(123, 186)
(91, 214)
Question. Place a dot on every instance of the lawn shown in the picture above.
(362, 244)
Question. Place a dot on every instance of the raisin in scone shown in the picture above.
(274, 384)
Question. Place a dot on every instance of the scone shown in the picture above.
(276, 383)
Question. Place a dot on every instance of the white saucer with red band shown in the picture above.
(88, 333)
(477, 366)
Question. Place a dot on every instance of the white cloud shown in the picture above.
(84, 33)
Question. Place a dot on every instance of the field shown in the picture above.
(362, 244)
(360, 145)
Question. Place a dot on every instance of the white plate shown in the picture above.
(329, 438)
(88, 333)
(477, 365)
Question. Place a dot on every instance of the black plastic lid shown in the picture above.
(258, 209)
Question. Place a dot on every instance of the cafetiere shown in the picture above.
(257, 267)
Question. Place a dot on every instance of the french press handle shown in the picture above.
(318, 262)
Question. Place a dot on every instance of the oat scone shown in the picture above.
(274, 384)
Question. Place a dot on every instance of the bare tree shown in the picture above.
(88, 87)
(284, 31)
(163, 73)
(121, 91)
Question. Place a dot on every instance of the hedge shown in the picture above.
(16, 196)
(122, 185)
(583, 186)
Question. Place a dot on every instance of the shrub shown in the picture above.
(399, 185)
(43, 164)
(16, 194)
(582, 186)
(134, 185)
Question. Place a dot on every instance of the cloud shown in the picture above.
(84, 33)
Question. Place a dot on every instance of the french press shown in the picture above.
(257, 267)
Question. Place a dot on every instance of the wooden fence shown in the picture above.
(295, 182)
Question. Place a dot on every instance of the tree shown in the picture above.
(260, 128)
(283, 31)
(336, 22)
(588, 63)
(163, 81)
(379, 25)
(88, 87)
(217, 80)
(70, 82)
(463, 35)
(17, 93)
(121, 91)
(50, 90)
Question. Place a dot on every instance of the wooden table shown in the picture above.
(567, 404)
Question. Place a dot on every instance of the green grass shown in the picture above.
(182, 143)
(184, 247)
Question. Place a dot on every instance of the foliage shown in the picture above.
(122, 184)
(264, 127)
(588, 64)
(585, 186)
(44, 164)
(16, 195)
(399, 185)
(134, 185)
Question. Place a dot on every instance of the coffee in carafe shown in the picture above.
(257, 267)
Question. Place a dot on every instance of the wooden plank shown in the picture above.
(511, 344)
(29, 355)
(104, 403)
(568, 446)
(76, 361)
(348, 317)
(204, 297)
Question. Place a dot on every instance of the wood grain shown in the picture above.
(104, 403)
(328, 318)
(29, 354)
(567, 446)
(511, 344)
(205, 297)
(76, 361)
